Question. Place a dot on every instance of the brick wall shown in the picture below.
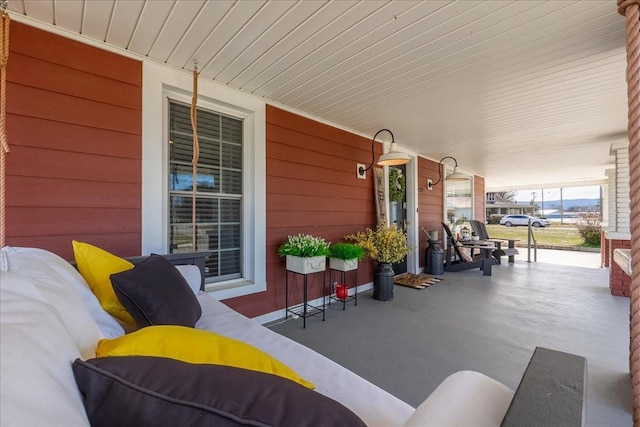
(619, 281)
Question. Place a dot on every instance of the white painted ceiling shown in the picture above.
(521, 92)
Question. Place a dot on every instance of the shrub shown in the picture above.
(494, 219)
(589, 228)
(385, 244)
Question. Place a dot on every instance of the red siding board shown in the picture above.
(37, 162)
(120, 244)
(56, 221)
(430, 204)
(299, 221)
(284, 185)
(51, 192)
(287, 144)
(305, 126)
(40, 44)
(55, 77)
(41, 133)
(43, 104)
(74, 122)
(281, 202)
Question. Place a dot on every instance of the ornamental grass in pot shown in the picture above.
(344, 256)
(385, 245)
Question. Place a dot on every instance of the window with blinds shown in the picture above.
(219, 197)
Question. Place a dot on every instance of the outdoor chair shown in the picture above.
(457, 259)
(480, 230)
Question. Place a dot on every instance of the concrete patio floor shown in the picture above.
(488, 324)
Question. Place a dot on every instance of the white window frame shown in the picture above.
(161, 82)
(449, 169)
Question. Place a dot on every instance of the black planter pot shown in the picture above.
(383, 282)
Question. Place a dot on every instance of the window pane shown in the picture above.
(180, 178)
(229, 262)
(208, 180)
(208, 125)
(181, 147)
(231, 182)
(458, 201)
(230, 236)
(209, 152)
(180, 210)
(232, 153)
(219, 176)
(230, 210)
(231, 129)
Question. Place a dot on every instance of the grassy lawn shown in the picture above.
(555, 235)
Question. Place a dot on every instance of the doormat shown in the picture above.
(415, 281)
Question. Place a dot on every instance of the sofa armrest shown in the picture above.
(465, 398)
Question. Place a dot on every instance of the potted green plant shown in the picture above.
(385, 245)
(305, 253)
(344, 256)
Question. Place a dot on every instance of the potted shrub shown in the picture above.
(305, 253)
(385, 245)
(344, 256)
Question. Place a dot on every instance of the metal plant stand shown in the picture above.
(304, 309)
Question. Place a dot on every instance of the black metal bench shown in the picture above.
(194, 258)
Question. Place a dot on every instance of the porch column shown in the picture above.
(631, 10)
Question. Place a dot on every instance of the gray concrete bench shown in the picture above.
(622, 257)
(551, 392)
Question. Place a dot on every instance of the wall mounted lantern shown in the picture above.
(455, 176)
(392, 158)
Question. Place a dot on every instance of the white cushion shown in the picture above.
(36, 352)
(192, 275)
(466, 398)
(56, 292)
(108, 325)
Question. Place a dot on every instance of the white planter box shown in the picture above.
(343, 264)
(308, 265)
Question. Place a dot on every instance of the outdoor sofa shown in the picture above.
(52, 325)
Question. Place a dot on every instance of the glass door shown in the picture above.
(398, 206)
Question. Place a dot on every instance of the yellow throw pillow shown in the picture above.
(195, 346)
(96, 265)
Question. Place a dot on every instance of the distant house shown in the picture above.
(497, 205)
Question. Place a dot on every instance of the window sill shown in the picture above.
(234, 288)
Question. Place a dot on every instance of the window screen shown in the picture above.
(218, 205)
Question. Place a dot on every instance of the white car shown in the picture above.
(510, 220)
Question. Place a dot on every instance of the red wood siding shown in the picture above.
(479, 199)
(430, 203)
(311, 188)
(74, 120)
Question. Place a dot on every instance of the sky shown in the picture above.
(569, 193)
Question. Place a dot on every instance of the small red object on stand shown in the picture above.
(342, 292)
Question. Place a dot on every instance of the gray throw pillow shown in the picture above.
(157, 391)
(155, 293)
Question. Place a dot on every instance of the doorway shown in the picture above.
(398, 206)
